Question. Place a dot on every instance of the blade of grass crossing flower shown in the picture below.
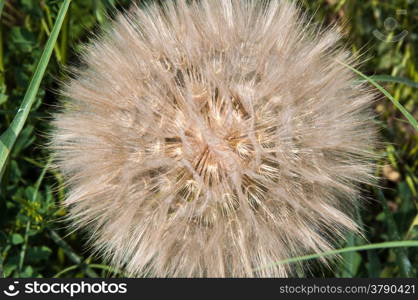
(8, 138)
(407, 115)
(394, 79)
(393, 244)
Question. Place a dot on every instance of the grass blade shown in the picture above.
(394, 79)
(66, 270)
(395, 244)
(410, 118)
(8, 138)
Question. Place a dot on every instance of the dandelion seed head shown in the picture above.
(213, 137)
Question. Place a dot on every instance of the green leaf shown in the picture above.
(17, 239)
(8, 138)
(100, 11)
(36, 254)
(374, 266)
(401, 254)
(23, 38)
(32, 7)
(8, 269)
(351, 260)
(27, 272)
(3, 98)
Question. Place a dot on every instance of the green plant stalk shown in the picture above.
(66, 270)
(8, 138)
(403, 110)
(48, 13)
(65, 38)
(393, 244)
(48, 33)
(55, 173)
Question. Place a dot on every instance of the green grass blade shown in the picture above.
(66, 270)
(384, 245)
(394, 79)
(410, 118)
(8, 138)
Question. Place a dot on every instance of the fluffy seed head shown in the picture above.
(211, 138)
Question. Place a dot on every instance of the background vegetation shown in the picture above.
(34, 243)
